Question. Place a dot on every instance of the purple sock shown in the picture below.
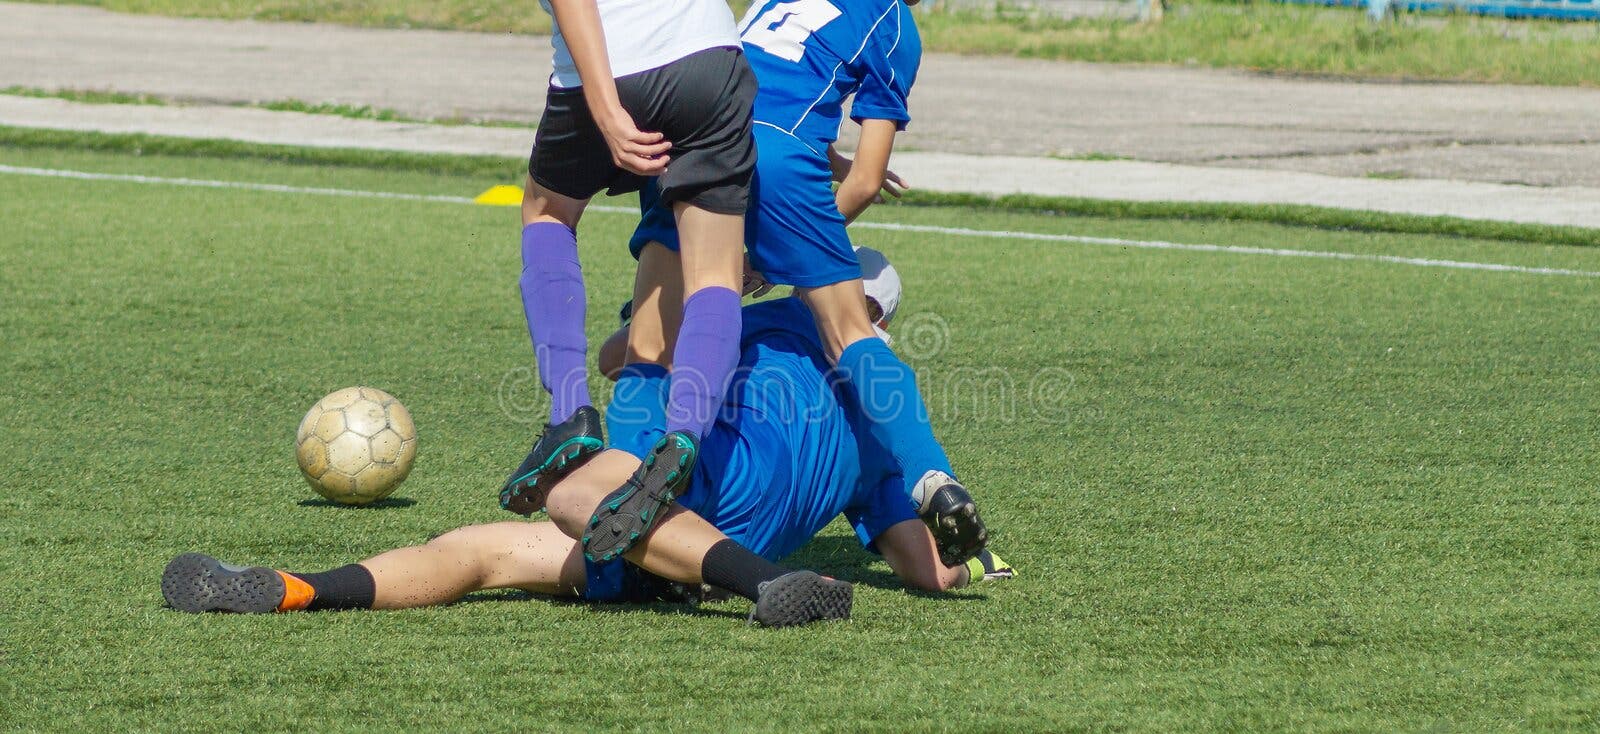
(704, 360)
(552, 299)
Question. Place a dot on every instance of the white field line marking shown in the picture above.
(884, 226)
(1235, 249)
(207, 184)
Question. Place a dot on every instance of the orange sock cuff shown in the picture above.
(297, 594)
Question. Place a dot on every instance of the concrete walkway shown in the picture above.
(991, 106)
(1233, 136)
(952, 172)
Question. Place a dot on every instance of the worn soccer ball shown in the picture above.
(356, 445)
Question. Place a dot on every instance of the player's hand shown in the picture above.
(632, 149)
(893, 185)
(839, 167)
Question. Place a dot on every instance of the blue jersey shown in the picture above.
(789, 452)
(811, 55)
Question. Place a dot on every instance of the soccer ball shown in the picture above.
(356, 445)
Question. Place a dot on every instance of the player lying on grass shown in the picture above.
(947, 508)
(786, 455)
(810, 56)
(677, 70)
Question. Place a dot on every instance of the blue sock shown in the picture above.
(886, 390)
(704, 359)
(638, 409)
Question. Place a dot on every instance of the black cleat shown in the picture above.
(561, 448)
(195, 582)
(631, 510)
(948, 510)
(802, 597)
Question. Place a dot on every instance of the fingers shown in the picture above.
(640, 162)
(635, 150)
(893, 185)
(649, 145)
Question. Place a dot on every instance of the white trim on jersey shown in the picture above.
(874, 29)
(792, 135)
(832, 75)
(899, 26)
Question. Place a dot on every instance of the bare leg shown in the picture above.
(707, 349)
(841, 313)
(530, 556)
(540, 204)
(684, 547)
(712, 248)
(657, 306)
(674, 549)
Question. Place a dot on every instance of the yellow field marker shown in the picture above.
(500, 196)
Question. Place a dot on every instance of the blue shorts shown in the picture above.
(794, 231)
(619, 581)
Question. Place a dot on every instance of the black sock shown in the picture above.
(733, 567)
(346, 587)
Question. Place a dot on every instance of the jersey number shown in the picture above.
(783, 29)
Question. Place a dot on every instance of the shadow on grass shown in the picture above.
(665, 608)
(842, 558)
(387, 503)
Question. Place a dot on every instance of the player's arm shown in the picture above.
(910, 551)
(869, 170)
(840, 166)
(886, 523)
(631, 148)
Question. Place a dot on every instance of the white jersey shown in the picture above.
(646, 34)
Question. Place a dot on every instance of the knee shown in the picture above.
(612, 356)
(647, 347)
(570, 510)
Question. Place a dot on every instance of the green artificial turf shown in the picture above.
(1244, 492)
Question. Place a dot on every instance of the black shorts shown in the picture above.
(701, 103)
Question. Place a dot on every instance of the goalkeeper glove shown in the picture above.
(986, 566)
